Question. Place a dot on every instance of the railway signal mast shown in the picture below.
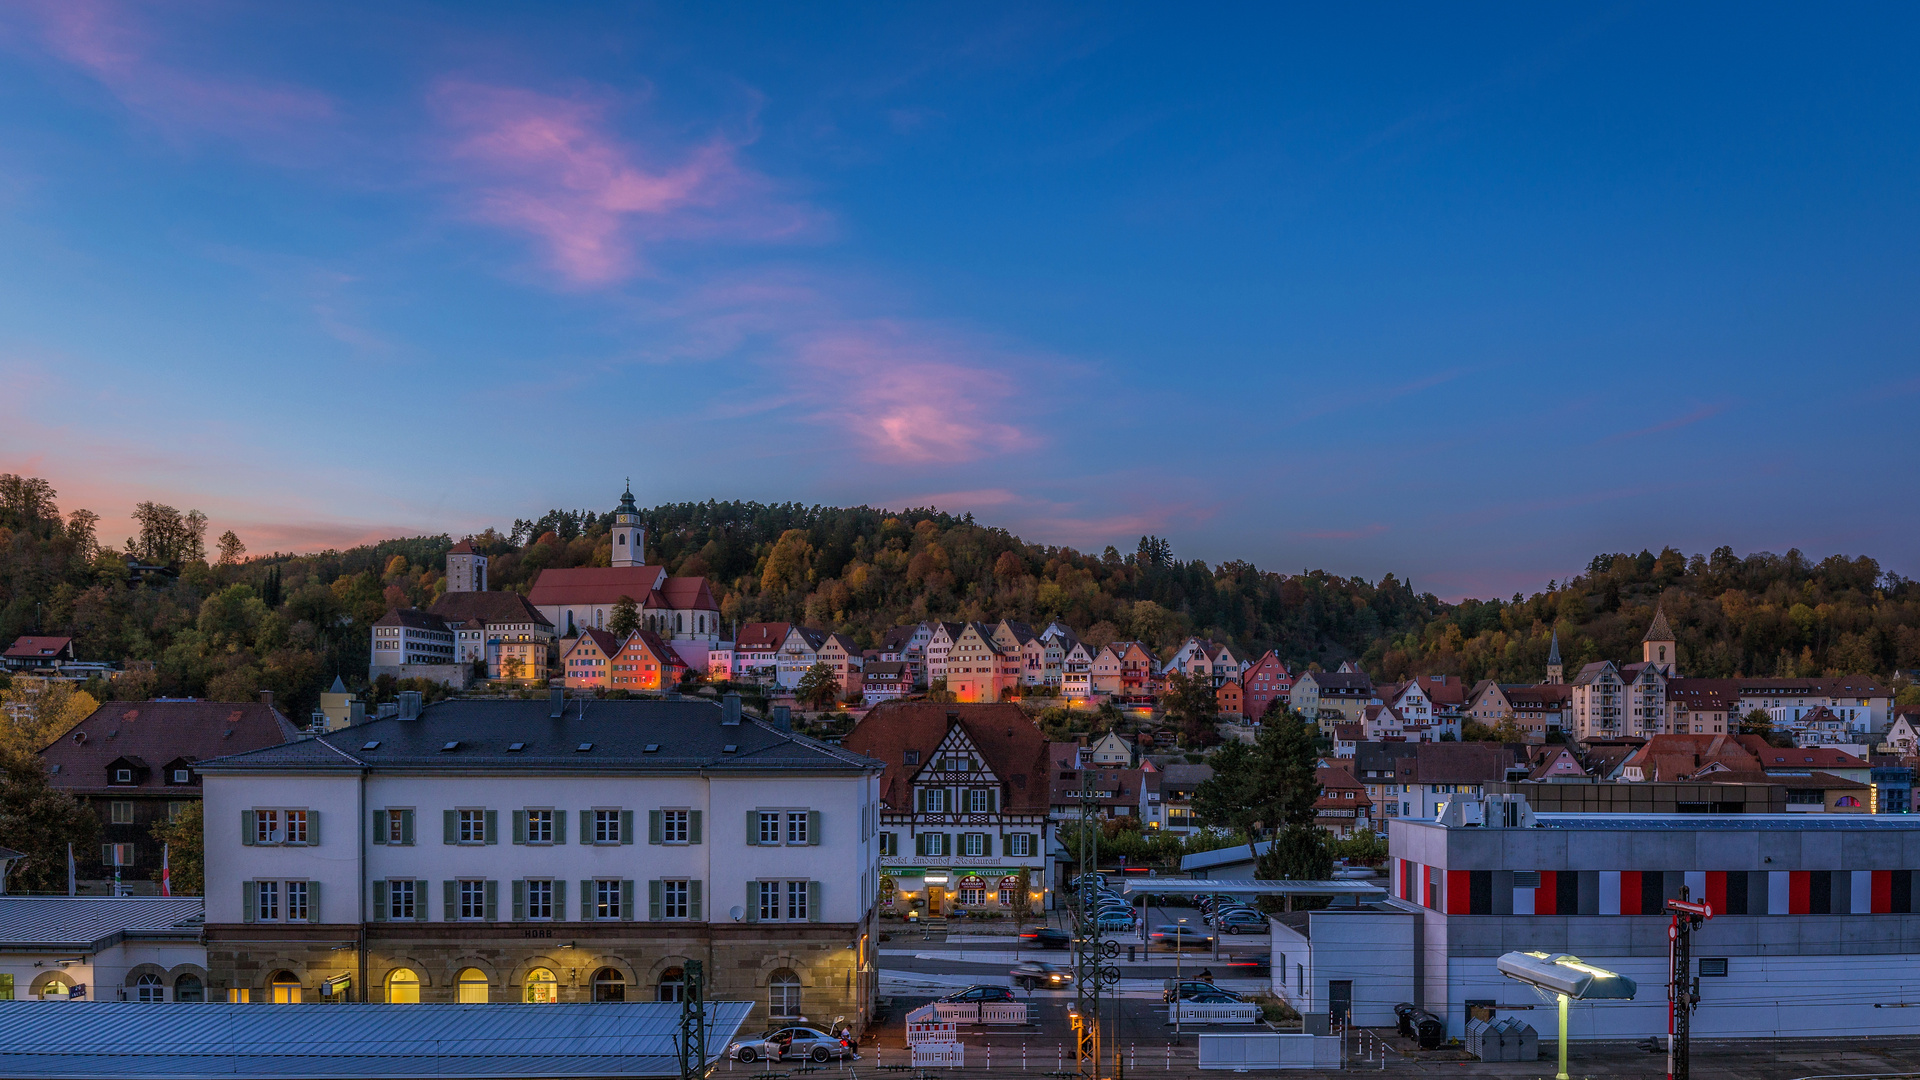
(1683, 987)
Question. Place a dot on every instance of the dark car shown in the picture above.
(1038, 974)
(1185, 991)
(1243, 922)
(974, 995)
(1046, 937)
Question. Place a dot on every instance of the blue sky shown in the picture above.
(1466, 294)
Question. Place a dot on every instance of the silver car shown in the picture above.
(792, 1042)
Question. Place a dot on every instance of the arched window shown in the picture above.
(542, 987)
(285, 987)
(783, 995)
(403, 988)
(609, 985)
(470, 987)
(1844, 800)
(673, 985)
(148, 987)
(189, 988)
(56, 990)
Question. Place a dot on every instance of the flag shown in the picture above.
(71, 889)
(166, 875)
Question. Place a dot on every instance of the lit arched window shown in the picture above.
(56, 990)
(542, 987)
(285, 987)
(149, 988)
(673, 985)
(609, 985)
(403, 988)
(189, 988)
(1846, 800)
(783, 995)
(470, 987)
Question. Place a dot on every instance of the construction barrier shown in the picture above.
(926, 1025)
(950, 1055)
(973, 1012)
(1274, 1051)
(1196, 1012)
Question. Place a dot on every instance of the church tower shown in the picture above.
(1658, 647)
(1556, 673)
(629, 536)
(466, 569)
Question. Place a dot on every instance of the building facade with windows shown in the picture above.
(542, 851)
(98, 948)
(964, 820)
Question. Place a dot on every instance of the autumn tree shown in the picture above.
(231, 549)
(1190, 702)
(41, 711)
(625, 618)
(40, 822)
(184, 838)
(168, 537)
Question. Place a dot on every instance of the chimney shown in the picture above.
(387, 709)
(409, 704)
(558, 697)
(782, 718)
(266, 698)
(356, 713)
(730, 709)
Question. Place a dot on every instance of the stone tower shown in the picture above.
(466, 569)
(629, 536)
(1658, 647)
(1556, 673)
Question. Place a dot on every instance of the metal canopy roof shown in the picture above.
(87, 923)
(127, 1040)
(1249, 887)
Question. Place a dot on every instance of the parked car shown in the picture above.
(1243, 922)
(1037, 974)
(1175, 936)
(1185, 990)
(1046, 937)
(1115, 922)
(791, 1043)
(974, 995)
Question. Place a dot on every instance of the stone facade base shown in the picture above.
(832, 963)
(455, 676)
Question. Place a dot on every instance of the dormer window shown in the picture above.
(123, 776)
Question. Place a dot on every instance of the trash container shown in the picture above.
(1130, 949)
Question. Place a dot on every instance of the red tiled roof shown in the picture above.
(34, 648)
(601, 639)
(689, 594)
(461, 548)
(1010, 744)
(593, 585)
(488, 607)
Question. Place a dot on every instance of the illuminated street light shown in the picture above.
(1566, 977)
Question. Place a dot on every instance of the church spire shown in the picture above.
(1553, 649)
(629, 537)
(1658, 647)
(1556, 673)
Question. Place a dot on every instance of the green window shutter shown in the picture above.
(519, 826)
(493, 900)
(380, 901)
(693, 826)
(986, 844)
(586, 899)
(753, 828)
(626, 899)
(813, 901)
(379, 826)
(450, 894)
(420, 899)
(626, 826)
(249, 897)
(813, 828)
(449, 826)
(406, 828)
(586, 826)
(313, 828)
(920, 844)
(559, 826)
(920, 800)
(313, 902)
(753, 901)
(559, 897)
(493, 826)
(993, 800)
(655, 830)
(653, 900)
(246, 830)
(693, 901)
(519, 901)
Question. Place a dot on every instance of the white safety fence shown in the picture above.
(1273, 1051)
(1198, 1012)
(985, 1013)
(940, 1055)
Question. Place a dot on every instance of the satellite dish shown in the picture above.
(737, 912)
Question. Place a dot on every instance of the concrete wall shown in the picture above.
(1367, 947)
(454, 675)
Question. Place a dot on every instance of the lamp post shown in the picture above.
(1177, 950)
(1567, 977)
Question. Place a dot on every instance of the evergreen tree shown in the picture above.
(818, 687)
(40, 822)
(625, 618)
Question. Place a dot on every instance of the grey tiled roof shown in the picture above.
(685, 735)
(89, 922)
(134, 1039)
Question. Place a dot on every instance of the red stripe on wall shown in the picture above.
(1459, 892)
(1629, 892)
(1548, 893)
(1717, 891)
(1882, 891)
(1799, 892)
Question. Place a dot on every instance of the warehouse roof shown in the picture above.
(91, 923)
(129, 1040)
(1820, 822)
(466, 735)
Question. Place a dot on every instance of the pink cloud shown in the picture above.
(549, 167)
(110, 43)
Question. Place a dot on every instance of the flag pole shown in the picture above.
(71, 886)
(166, 873)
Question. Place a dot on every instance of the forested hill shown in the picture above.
(229, 624)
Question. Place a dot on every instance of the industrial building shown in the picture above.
(1815, 928)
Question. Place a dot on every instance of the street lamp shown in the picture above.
(1566, 977)
(1179, 936)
